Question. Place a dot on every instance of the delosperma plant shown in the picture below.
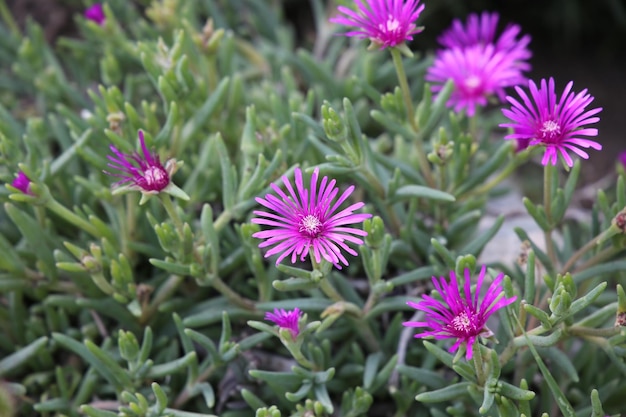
(201, 218)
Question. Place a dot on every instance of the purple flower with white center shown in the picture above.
(306, 219)
(387, 23)
(460, 316)
(478, 73)
(286, 319)
(558, 125)
(22, 183)
(481, 30)
(95, 13)
(144, 173)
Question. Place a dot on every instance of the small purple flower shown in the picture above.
(622, 158)
(460, 315)
(22, 183)
(478, 73)
(95, 13)
(286, 319)
(556, 125)
(481, 30)
(144, 172)
(387, 23)
(307, 219)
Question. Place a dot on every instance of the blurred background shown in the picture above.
(579, 40)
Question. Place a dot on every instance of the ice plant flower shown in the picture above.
(461, 316)
(478, 72)
(558, 125)
(22, 183)
(387, 23)
(95, 13)
(481, 30)
(143, 173)
(286, 319)
(306, 219)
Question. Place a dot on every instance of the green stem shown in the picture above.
(507, 353)
(371, 341)
(588, 331)
(547, 203)
(369, 303)
(231, 295)
(374, 182)
(508, 170)
(408, 103)
(186, 394)
(597, 258)
(72, 217)
(330, 291)
(404, 87)
(164, 293)
(473, 125)
(299, 357)
(477, 359)
(172, 213)
(580, 252)
(222, 220)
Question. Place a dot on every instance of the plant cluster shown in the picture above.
(206, 213)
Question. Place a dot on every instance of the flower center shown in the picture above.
(472, 83)
(462, 323)
(155, 178)
(391, 25)
(310, 225)
(550, 130)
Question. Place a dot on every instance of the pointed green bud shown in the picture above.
(128, 345)
(333, 124)
(375, 229)
(273, 411)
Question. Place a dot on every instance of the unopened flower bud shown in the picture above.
(620, 220)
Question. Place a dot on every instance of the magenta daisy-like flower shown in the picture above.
(478, 72)
(308, 219)
(143, 172)
(95, 13)
(461, 316)
(558, 125)
(286, 319)
(481, 30)
(386, 23)
(22, 183)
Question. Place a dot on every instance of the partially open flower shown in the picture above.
(143, 172)
(22, 183)
(95, 13)
(286, 319)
